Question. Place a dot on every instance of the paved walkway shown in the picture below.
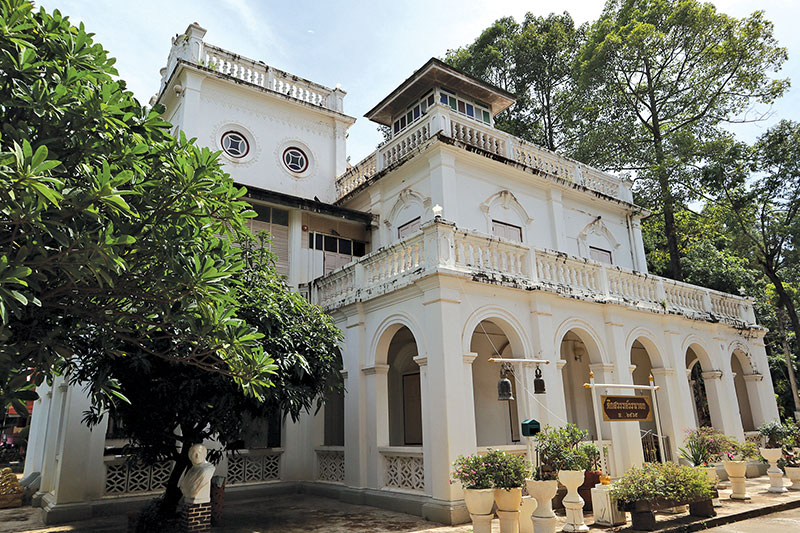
(296, 513)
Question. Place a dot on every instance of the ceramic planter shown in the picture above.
(508, 499)
(479, 501)
(793, 473)
(590, 480)
(525, 512)
(773, 455)
(573, 503)
(544, 519)
(711, 474)
(736, 471)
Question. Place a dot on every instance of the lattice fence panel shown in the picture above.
(253, 468)
(330, 466)
(405, 472)
(125, 478)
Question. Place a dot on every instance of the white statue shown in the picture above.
(195, 483)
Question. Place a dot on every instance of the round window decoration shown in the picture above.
(295, 159)
(235, 144)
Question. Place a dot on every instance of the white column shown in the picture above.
(670, 406)
(427, 421)
(759, 386)
(40, 423)
(720, 392)
(559, 234)
(356, 436)
(551, 407)
(377, 410)
(444, 187)
(627, 443)
(75, 474)
(295, 247)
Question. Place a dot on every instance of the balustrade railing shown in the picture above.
(254, 466)
(478, 135)
(532, 156)
(127, 477)
(357, 175)
(404, 468)
(260, 74)
(399, 147)
(330, 463)
(440, 245)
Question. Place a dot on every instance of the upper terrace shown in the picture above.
(190, 48)
(439, 102)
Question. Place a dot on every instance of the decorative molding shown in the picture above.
(601, 367)
(421, 360)
(507, 201)
(753, 377)
(595, 227)
(288, 142)
(375, 369)
(712, 374)
(560, 364)
(470, 357)
(407, 197)
(662, 371)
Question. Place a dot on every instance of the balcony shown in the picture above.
(441, 120)
(440, 247)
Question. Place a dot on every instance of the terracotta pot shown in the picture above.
(508, 499)
(793, 473)
(704, 508)
(479, 501)
(773, 455)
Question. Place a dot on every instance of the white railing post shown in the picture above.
(661, 293)
(511, 145)
(359, 280)
(707, 305)
(602, 280)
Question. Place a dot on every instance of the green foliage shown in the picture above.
(534, 60)
(774, 433)
(666, 75)
(111, 229)
(472, 472)
(704, 446)
(562, 448)
(741, 451)
(507, 471)
(667, 481)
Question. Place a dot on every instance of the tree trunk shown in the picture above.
(172, 493)
(789, 363)
(663, 181)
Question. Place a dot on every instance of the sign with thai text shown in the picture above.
(626, 408)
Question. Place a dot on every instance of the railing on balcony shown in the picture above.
(443, 120)
(441, 246)
(263, 75)
(404, 468)
(254, 466)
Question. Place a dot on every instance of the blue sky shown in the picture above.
(368, 47)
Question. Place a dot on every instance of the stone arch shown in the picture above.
(587, 335)
(704, 383)
(496, 423)
(745, 359)
(646, 356)
(409, 205)
(651, 343)
(384, 333)
(500, 204)
(517, 337)
(741, 366)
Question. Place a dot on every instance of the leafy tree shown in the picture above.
(534, 60)
(172, 405)
(666, 74)
(111, 229)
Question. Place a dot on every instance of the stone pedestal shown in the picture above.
(525, 512)
(573, 503)
(509, 521)
(196, 517)
(481, 523)
(606, 512)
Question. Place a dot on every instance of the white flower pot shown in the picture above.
(793, 473)
(773, 455)
(573, 503)
(713, 478)
(544, 519)
(479, 501)
(736, 471)
(508, 499)
(525, 512)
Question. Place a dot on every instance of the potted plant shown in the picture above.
(571, 475)
(736, 467)
(591, 477)
(657, 486)
(471, 471)
(790, 454)
(704, 448)
(543, 486)
(508, 473)
(773, 433)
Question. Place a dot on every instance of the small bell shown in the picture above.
(504, 390)
(538, 382)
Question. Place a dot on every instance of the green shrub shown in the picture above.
(471, 471)
(705, 445)
(508, 471)
(563, 448)
(773, 432)
(669, 481)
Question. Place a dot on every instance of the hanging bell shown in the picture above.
(538, 382)
(504, 391)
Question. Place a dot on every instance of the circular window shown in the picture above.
(295, 159)
(235, 144)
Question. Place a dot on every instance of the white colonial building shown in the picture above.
(452, 243)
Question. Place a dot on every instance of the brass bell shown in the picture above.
(504, 391)
(538, 382)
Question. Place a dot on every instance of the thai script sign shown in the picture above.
(626, 408)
